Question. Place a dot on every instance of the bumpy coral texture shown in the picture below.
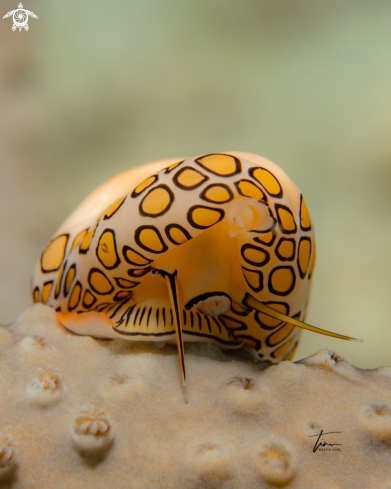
(88, 413)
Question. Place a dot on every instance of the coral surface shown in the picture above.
(78, 412)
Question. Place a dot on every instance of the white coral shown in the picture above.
(91, 430)
(275, 460)
(91, 421)
(374, 418)
(45, 389)
(48, 378)
(7, 453)
(215, 434)
(210, 461)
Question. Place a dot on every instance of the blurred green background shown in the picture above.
(97, 87)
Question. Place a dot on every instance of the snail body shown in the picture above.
(217, 248)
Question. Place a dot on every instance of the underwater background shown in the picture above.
(94, 88)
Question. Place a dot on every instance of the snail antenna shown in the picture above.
(172, 285)
(253, 303)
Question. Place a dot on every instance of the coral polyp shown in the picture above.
(7, 455)
(45, 389)
(91, 430)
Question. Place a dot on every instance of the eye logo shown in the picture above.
(20, 17)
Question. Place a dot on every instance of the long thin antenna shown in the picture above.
(253, 303)
(172, 285)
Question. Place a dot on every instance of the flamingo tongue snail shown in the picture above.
(217, 248)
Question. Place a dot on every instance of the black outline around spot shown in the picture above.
(268, 339)
(260, 275)
(258, 239)
(125, 248)
(238, 164)
(103, 305)
(202, 297)
(73, 245)
(137, 333)
(241, 313)
(272, 227)
(257, 248)
(93, 288)
(285, 208)
(84, 252)
(279, 256)
(106, 217)
(264, 198)
(301, 227)
(183, 187)
(132, 272)
(270, 304)
(80, 251)
(224, 186)
(257, 342)
(166, 209)
(242, 327)
(137, 233)
(118, 260)
(292, 350)
(251, 173)
(168, 228)
(134, 194)
(63, 256)
(304, 238)
(66, 292)
(269, 282)
(295, 316)
(118, 298)
(197, 226)
(172, 332)
(36, 289)
(51, 288)
(117, 279)
(57, 294)
(84, 296)
(70, 297)
(279, 346)
(167, 170)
